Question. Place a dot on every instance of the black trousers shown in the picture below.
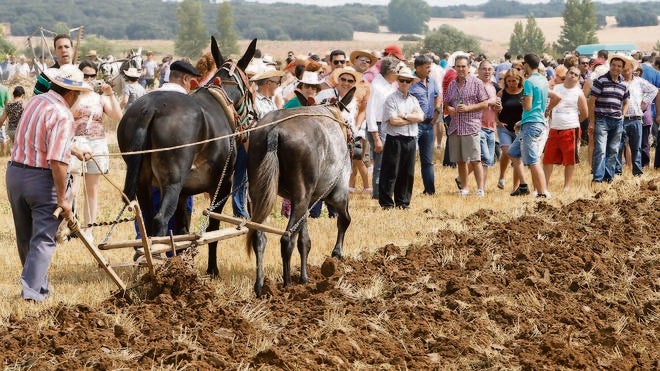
(397, 172)
(646, 145)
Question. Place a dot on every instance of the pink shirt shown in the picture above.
(488, 115)
(44, 132)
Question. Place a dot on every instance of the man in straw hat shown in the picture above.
(401, 113)
(37, 179)
(607, 104)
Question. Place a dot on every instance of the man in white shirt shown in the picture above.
(181, 75)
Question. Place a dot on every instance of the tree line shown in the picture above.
(156, 19)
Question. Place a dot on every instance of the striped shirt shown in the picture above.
(610, 96)
(264, 104)
(472, 92)
(641, 91)
(45, 131)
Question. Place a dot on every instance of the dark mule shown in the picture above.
(305, 159)
(165, 119)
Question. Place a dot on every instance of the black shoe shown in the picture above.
(520, 191)
(458, 183)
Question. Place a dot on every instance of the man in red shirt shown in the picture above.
(37, 178)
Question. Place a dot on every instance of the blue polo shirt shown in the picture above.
(535, 86)
(426, 95)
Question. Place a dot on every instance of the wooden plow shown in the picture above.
(148, 248)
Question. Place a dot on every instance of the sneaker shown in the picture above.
(463, 192)
(481, 193)
(543, 195)
(500, 184)
(458, 183)
(521, 191)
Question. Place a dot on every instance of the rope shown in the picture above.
(146, 151)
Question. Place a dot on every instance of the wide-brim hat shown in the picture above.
(68, 77)
(310, 78)
(346, 70)
(92, 53)
(405, 72)
(132, 72)
(268, 60)
(622, 57)
(185, 67)
(267, 74)
(363, 53)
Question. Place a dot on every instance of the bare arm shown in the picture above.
(110, 103)
(583, 110)
(527, 102)
(592, 109)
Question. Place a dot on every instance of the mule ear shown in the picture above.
(247, 57)
(215, 51)
(301, 98)
(347, 98)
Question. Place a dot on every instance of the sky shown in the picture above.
(430, 2)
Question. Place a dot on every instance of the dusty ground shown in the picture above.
(569, 287)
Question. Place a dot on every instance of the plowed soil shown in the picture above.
(575, 286)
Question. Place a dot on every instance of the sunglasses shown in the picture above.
(339, 61)
(308, 86)
(350, 81)
(405, 81)
(89, 75)
(584, 62)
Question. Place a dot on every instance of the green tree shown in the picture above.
(633, 16)
(227, 37)
(192, 37)
(408, 16)
(527, 40)
(449, 39)
(579, 26)
(5, 46)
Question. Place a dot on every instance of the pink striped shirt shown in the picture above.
(44, 132)
(472, 92)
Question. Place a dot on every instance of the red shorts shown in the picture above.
(562, 147)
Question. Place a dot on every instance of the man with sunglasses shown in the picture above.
(336, 59)
(401, 113)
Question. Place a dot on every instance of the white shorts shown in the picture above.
(98, 148)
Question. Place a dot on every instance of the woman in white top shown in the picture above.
(88, 112)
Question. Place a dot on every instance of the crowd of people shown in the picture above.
(529, 111)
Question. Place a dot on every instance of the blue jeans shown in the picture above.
(238, 186)
(632, 133)
(426, 143)
(607, 139)
(487, 141)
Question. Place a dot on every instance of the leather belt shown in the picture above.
(24, 166)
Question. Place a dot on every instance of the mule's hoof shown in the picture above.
(336, 254)
(303, 280)
(214, 273)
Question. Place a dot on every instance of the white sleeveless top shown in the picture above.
(566, 114)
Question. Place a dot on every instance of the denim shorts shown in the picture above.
(506, 136)
(529, 143)
(487, 141)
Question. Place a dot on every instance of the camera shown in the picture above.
(96, 85)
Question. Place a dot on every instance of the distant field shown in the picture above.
(493, 33)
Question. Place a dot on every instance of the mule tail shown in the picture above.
(134, 162)
(263, 188)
